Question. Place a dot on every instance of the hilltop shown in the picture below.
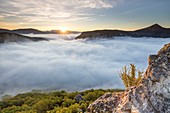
(13, 37)
(155, 31)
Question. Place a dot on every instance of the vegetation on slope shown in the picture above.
(62, 101)
(53, 102)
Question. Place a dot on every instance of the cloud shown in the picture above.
(71, 65)
(53, 10)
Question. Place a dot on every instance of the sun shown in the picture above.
(63, 29)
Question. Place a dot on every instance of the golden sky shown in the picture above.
(83, 15)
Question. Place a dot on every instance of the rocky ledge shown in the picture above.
(152, 95)
(12, 37)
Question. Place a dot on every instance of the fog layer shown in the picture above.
(71, 64)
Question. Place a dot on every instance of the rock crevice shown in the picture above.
(152, 95)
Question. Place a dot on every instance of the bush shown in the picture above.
(52, 102)
(43, 106)
(129, 77)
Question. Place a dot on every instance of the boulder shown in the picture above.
(152, 95)
(78, 98)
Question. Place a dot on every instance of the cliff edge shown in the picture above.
(152, 95)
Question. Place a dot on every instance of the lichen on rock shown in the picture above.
(152, 95)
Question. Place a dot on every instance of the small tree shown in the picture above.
(129, 77)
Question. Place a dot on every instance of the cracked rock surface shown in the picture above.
(152, 95)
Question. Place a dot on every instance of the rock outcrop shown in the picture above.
(78, 98)
(152, 95)
(155, 31)
(12, 37)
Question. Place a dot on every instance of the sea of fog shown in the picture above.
(67, 64)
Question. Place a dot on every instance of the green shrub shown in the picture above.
(52, 102)
(131, 76)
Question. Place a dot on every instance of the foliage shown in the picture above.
(53, 102)
(129, 77)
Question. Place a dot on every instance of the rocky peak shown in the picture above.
(152, 29)
(155, 27)
(152, 95)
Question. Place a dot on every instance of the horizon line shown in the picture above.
(17, 28)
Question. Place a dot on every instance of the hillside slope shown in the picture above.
(12, 37)
(155, 31)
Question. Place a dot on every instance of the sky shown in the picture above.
(83, 15)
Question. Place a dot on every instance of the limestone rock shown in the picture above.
(105, 103)
(152, 95)
(78, 98)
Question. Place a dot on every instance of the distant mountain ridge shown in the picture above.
(155, 30)
(13, 37)
(35, 31)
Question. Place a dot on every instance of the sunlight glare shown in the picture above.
(63, 29)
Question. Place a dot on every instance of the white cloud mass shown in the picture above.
(71, 64)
